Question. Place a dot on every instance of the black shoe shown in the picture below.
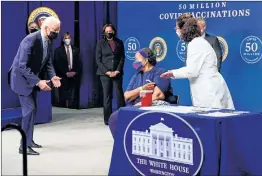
(29, 151)
(34, 145)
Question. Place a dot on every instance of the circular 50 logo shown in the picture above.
(251, 49)
(132, 45)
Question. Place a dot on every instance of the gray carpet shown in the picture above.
(76, 142)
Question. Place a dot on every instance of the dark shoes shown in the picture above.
(34, 145)
(29, 149)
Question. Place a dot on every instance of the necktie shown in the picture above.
(68, 57)
(45, 49)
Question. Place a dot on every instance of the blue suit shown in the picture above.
(31, 63)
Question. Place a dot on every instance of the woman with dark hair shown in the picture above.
(110, 58)
(145, 64)
(208, 87)
(32, 27)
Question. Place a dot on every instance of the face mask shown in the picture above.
(67, 41)
(109, 35)
(137, 65)
(53, 35)
(32, 30)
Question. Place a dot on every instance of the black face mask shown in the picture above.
(52, 35)
(33, 30)
(109, 35)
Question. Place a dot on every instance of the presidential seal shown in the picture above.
(224, 47)
(39, 15)
(159, 47)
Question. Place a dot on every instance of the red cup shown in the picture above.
(146, 97)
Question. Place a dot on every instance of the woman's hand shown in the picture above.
(109, 73)
(166, 75)
(138, 104)
(149, 86)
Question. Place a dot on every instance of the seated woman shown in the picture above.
(145, 64)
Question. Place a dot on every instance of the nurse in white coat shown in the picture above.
(208, 87)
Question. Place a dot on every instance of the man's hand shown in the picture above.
(43, 85)
(166, 75)
(56, 81)
(70, 74)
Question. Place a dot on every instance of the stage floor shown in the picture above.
(76, 142)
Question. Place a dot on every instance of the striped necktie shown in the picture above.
(45, 50)
(68, 58)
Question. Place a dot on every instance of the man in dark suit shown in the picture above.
(212, 40)
(110, 58)
(32, 61)
(68, 67)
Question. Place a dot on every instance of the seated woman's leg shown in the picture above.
(112, 122)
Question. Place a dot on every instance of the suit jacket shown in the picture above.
(29, 66)
(107, 60)
(61, 61)
(213, 41)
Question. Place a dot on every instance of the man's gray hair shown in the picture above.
(201, 20)
(49, 20)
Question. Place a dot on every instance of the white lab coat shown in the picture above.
(208, 87)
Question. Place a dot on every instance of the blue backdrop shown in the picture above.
(92, 17)
(235, 22)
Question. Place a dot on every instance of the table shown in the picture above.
(216, 135)
(206, 127)
(241, 145)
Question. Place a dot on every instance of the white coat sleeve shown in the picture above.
(195, 60)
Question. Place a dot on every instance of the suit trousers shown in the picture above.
(69, 93)
(28, 105)
(108, 84)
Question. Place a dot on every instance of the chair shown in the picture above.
(172, 99)
(18, 128)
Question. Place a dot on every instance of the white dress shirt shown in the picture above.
(45, 45)
(203, 35)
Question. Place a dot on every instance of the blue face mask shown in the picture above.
(137, 65)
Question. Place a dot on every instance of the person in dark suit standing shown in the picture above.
(68, 67)
(212, 40)
(32, 27)
(31, 63)
(110, 58)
